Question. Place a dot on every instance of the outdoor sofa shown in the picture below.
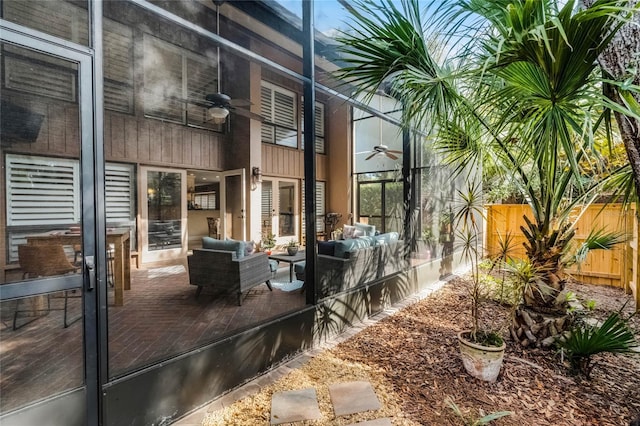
(349, 263)
(227, 266)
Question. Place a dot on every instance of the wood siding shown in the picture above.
(279, 161)
(156, 142)
(617, 267)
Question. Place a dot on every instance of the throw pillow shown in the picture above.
(368, 230)
(249, 247)
(327, 248)
(347, 231)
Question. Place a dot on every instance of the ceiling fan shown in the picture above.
(381, 150)
(219, 105)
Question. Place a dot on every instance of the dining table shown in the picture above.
(119, 237)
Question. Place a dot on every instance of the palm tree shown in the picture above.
(523, 93)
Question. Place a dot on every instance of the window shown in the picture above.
(118, 70)
(278, 108)
(380, 201)
(321, 209)
(43, 193)
(61, 18)
(319, 127)
(39, 74)
(205, 201)
(176, 82)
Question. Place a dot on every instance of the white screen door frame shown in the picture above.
(233, 204)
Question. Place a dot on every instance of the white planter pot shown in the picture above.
(482, 362)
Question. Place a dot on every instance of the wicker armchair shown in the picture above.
(223, 271)
(45, 261)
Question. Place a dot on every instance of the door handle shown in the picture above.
(91, 272)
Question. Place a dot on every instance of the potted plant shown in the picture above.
(292, 247)
(268, 242)
(481, 350)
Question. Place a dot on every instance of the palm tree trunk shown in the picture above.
(620, 60)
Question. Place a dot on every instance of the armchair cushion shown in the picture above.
(238, 247)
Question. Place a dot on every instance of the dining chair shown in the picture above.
(45, 261)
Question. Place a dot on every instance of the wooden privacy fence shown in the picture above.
(618, 267)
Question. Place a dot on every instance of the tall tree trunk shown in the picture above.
(621, 60)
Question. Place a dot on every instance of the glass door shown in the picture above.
(164, 214)
(47, 276)
(233, 205)
(280, 209)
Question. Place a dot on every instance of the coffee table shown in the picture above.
(291, 260)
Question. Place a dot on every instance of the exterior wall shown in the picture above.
(154, 142)
(339, 167)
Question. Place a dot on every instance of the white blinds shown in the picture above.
(118, 66)
(42, 191)
(61, 19)
(45, 191)
(119, 196)
(320, 207)
(278, 107)
(318, 125)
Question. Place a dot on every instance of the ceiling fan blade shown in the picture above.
(371, 156)
(240, 103)
(247, 113)
(394, 151)
(393, 157)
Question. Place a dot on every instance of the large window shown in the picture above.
(321, 208)
(380, 201)
(42, 193)
(278, 108)
(319, 127)
(118, 66)
(176, 82)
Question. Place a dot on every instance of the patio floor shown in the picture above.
(160, 318)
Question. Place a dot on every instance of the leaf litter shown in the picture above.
(411, 360)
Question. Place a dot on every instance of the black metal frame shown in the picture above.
(211, 370)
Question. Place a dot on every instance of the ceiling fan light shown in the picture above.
(218, 113)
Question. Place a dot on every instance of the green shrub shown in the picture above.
(614, 335)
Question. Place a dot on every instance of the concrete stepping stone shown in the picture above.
(353, 397)
(294, 406)
(386, 421)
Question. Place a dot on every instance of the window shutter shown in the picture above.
(163, 81)
(320, 207)
(285, 115)
(279, 111)
(39, 74)
(42, 191)
(201, 80)
(118, 78)
(319, 127)
(267, 207)
(119, 193)
(60, 19)
(266, 109)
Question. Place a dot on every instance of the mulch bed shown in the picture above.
(411, 358)
(417, 351)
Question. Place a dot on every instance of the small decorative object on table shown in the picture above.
(292, 247)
